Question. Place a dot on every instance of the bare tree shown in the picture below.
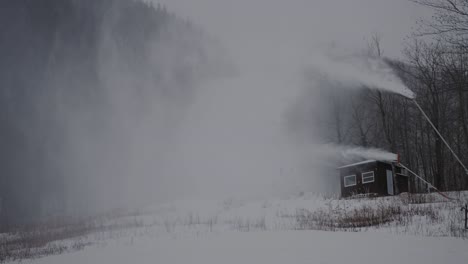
(449, 23)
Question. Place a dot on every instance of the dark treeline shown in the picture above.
(63, 57)
(434, 66)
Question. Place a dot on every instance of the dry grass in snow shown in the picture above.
(419, 215)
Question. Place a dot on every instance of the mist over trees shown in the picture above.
(71, 71)
(434, 65)
(92, 93)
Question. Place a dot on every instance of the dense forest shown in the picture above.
(434, 65)
(74, 69)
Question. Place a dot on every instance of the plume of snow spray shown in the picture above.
(351, 153)
(360, 71)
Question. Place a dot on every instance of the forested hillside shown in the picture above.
(70, 72)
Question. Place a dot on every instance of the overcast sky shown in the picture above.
(245, 23)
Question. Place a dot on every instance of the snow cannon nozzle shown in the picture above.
(408, 94)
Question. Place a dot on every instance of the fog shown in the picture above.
(350, 153)
(358, 71)
(237, 140)
(205, 109)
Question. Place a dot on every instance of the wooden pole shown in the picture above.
(465, 208)
(466, 216)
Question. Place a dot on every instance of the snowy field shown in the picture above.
(276, 247)
(301, 229)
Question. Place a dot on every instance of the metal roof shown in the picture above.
(358, 163)
(367, 161)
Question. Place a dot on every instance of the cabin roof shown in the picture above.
(357, 163)
(364, 162)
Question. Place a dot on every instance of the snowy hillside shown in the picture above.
(271, 231)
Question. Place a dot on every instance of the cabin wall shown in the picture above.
(382, 171)
(359, 188)
(402, 184)
(379, 186)
(373, 187)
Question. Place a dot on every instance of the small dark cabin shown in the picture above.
(373, 177)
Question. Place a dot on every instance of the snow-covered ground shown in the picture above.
(276, 247)
(418, 229)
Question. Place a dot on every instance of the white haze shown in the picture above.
(358, 72)
(353, 153)
(231, 138)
